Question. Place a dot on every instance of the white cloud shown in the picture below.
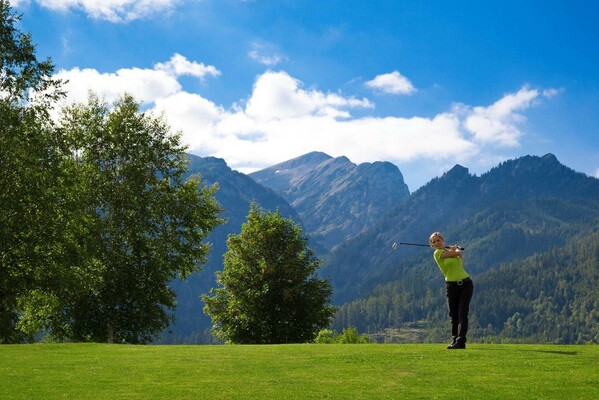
(552, 92)
(277, 95)
(111, 10)
(18, 3)
(392, 83)
(498, 123)
(268, 60)
(281, 119)
(192, 115)
(146, 85)
(597, 173)
(265, 53)
(179, 65)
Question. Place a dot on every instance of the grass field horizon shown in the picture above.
(308, 371)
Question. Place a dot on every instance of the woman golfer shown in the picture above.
(458, 288)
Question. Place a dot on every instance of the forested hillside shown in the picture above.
(550, 297)
(519, 208)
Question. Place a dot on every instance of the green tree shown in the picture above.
(351, 336)
(270, 292)
(326, 336)
(348, 336)
(21, 70)
(32, 209)
(139, 225)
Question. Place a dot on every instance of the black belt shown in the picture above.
(459, 283)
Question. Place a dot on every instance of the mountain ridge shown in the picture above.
(478, 211)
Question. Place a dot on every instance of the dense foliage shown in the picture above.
(96, 216)
(269, 292)
(141, 224)
(32, 206)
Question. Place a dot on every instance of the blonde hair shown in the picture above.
(436, 234)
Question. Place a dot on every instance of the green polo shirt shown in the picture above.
(451, 267)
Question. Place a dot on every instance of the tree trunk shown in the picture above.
(109, 334)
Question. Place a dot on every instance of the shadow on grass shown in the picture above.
(563, 353)
(558, 352)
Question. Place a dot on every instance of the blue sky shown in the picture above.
(423, 84)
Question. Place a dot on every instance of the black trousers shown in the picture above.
(458, 296)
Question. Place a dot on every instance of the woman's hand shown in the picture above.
(453, 251)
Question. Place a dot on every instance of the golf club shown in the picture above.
(394, 245)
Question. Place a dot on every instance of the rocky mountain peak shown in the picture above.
(335, 198)
(550, 158)
(457, 172)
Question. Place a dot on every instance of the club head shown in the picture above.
(394, 246)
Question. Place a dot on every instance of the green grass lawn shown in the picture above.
(373, 371)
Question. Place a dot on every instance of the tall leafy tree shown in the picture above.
(270, 292)
(31, 155)
(139, 224)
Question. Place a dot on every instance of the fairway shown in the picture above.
(373, 371)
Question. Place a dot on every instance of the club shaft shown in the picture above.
(424, 245)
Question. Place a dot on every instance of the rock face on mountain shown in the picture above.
(335, 198)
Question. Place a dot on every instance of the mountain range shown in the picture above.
(353, 213)
(521, 207)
